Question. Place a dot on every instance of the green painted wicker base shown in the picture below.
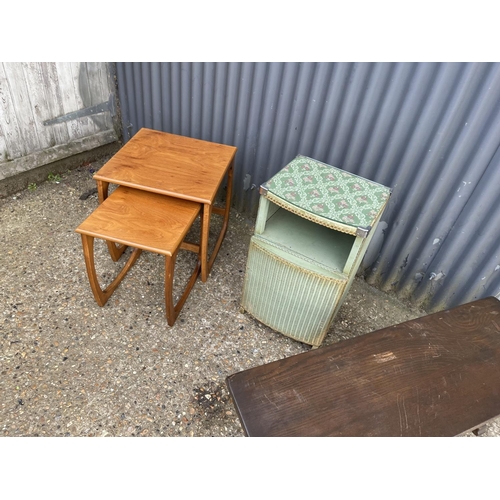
(313, 227)
(287, 297)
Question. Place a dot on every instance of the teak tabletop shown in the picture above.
(438, 375)
(176, 166)
(162, 231)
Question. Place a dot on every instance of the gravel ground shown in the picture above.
(72, 368)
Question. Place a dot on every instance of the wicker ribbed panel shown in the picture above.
(291, 300)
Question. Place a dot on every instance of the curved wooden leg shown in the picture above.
(101, 296)
(169, 288)
(171, 309)
(115, 250)
(225, 213)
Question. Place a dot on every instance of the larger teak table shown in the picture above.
(438, 375)
(175, 166)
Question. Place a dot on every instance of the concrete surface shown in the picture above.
(71, 368)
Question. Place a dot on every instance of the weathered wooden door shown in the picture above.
(50, 111)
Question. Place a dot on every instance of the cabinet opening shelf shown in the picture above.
(318, 245)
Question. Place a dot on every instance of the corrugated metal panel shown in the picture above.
(430, 131)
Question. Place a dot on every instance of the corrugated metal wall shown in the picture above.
(430, 131)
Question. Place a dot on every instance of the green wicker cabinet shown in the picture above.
(313, 227)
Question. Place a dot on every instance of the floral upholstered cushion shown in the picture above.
(329, 192)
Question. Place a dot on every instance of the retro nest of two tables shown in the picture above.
(165, 181)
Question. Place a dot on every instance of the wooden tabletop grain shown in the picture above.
(170, 164)
(438, 375)
(141, 219)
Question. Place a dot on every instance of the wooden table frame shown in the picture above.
(164, 158)
(143, 221)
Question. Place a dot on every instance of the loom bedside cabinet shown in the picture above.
(313, 227)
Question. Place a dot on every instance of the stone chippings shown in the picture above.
(71, 368)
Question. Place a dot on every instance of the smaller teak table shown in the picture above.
(438, 375)
(143, 221)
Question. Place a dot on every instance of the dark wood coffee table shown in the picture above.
(438, 375)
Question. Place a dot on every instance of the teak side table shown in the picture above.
(143, 221)
(313, 227)
(175, 166)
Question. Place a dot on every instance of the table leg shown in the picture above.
(480, 430)
(101, 296)
(227, 208)
(225, 213)
(205, 231)
(173, 310)
(115, 251)
(102, 190)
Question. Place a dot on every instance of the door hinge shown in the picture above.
(109, 105)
